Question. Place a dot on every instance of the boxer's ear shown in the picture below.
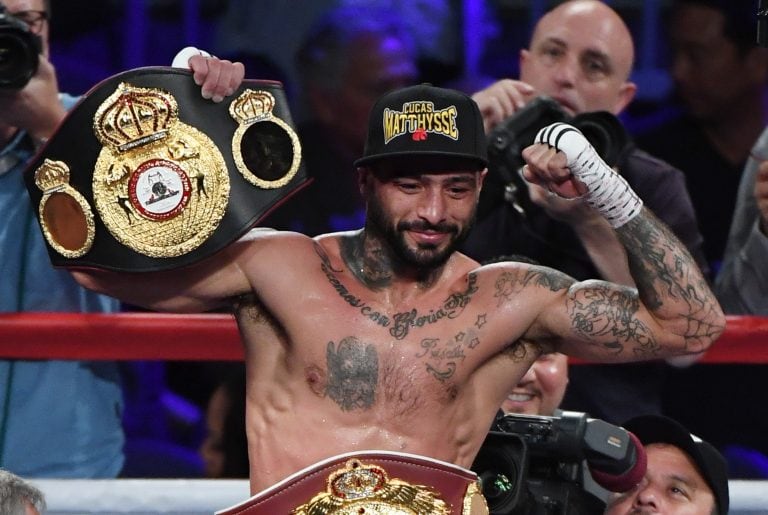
(363, 178)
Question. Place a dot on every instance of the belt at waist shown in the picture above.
(371, 482)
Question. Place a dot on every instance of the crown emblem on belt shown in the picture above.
(134, 116)
(52, 175)
(366, 488)
(65, 215)
(160, 186)
(252, 106)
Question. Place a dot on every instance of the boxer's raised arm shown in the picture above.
(672, 311)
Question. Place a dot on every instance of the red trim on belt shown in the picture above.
(448, 481)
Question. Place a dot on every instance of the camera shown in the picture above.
(19, 51)
(762, 23)
(537, 465)
(507, 140)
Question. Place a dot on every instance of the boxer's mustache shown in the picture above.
(426, 226)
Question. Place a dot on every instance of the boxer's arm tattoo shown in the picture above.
(668, 281)
(509, 284)
(605, 313)
(668, 277)
(521, 350)
(353, 374)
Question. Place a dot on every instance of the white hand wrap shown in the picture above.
(607, 191)
(181, 60)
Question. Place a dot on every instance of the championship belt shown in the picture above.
(145, 175)
(372, 483)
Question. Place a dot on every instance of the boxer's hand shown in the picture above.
(217, 78)
(563, 161)
(547, 168)
(559, 208)
(761, 195)
(501, 100)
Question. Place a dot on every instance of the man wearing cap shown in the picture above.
(377, 358)
(685, 474)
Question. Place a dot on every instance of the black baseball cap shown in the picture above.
(427, 125)
(711, 464)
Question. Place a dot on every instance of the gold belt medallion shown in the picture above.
(360, 488)
(160, 186)
(65, 215)
(265, 148)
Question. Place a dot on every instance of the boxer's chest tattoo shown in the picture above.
(356, 378)
(353, 374)
(400, 323)
(442, 356)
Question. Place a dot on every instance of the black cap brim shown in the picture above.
(427, 160)
(711, 464)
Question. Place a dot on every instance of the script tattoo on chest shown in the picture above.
(353, 373)
(442, 356)
(400, 324)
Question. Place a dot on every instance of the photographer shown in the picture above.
(34, 107)
(58, 418)
(541, 389)
(581, 55)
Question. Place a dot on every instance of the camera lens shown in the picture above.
(500, 465)
(605, 132)
(496, 485)
(19, 51)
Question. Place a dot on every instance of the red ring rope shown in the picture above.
(202, 337)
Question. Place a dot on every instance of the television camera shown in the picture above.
(538, 465)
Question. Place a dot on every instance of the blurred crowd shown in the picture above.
(690, 94)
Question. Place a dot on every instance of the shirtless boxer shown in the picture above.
(386, 337)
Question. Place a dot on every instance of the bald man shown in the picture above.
(581, 54)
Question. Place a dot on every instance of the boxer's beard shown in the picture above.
(423, 256)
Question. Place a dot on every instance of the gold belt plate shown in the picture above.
(160, 186)
(359, 488)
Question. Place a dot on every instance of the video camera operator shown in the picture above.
(538, 459)
(540, 465)
(685, 474)
(581, 56)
